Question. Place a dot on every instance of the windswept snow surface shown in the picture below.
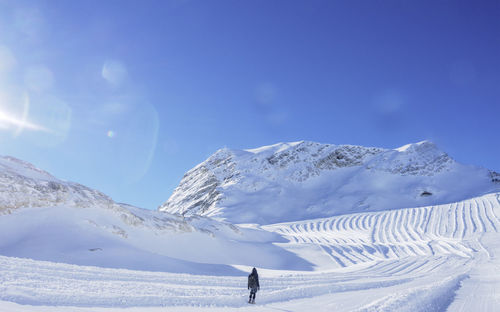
(432, 258)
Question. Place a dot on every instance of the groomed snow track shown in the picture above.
(452, 229)
(30, 282)
(414, 259)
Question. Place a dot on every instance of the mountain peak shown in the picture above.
(275, 148)
(419, 146)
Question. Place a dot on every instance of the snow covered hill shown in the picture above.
(44, 218)
(140, 240)
(24, 185)
(305, 180)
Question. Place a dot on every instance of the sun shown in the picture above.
(9, 121)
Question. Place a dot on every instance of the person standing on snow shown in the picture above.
(253, 285)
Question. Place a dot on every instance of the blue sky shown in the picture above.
(126, 96)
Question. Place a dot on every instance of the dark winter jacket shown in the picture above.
(253, 280)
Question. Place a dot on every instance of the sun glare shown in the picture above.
(10, 122)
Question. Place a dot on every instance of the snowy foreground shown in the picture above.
(439, 258)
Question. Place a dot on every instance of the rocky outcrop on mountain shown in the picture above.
(495, 177)
(24, 185)
(291, 181)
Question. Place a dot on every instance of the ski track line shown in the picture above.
(452, 220)
(480, 218)
(440, 222)
(382, 228)
(470, 218)
(484, 214)
(494, 216)
(435, 297)
(427, 219)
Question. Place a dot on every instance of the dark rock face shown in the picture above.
(495, 177)
(206, 196)
(345, 156)
(425, 194)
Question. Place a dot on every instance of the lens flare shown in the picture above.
(8, 121)
(114, 72)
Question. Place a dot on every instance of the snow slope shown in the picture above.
(139, 239)
(44, 218)
(425, 231)
(306, 180)
(436, 258)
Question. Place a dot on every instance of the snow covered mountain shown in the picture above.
(304, 180)
(24, 185)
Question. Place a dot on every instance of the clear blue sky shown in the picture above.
(126, 96)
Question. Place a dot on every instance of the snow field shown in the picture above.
(31, 282)
(434, 258)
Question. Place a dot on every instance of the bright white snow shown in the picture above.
(417, 259)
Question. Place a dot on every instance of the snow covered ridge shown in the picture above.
(304, 180)
(24, 185)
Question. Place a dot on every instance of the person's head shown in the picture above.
(254, 271)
